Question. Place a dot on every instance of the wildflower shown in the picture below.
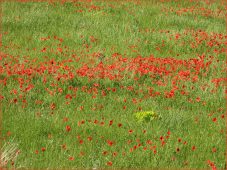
(149, 142)
(193, 148)
(89, 138)
(43, 149)
(178, 149)
(52, 106)
(71, 158)
(64, 146)
(111, 122)
(65, 119)
(155, 151)
(130, 131)
(110, 143)
(198, 99)
(214, 149)
(8, 133)
(135, 147)
(59, 49)
(109, 163)
(211, 164)
(163, 143)
(68, 128)
(82, 153)
(15, 100)
(214, 119)
(114, 154)
(43, 50)
(104, 152)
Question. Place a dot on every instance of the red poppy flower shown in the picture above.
(198, 99)
(43, 149)
(178, 149)
(214, 149)
(135, 147)
(71, 158)
(59, 49)
(43, 50)
(89, 138)
(109, 163)
(8, 133)
(65, 119)
(129, 141)
(110, 143)
(115, 154)
(104, 152)
(63, 146)
(149, 142)
(214, 119)
(67, 128)
(130, 131)
(193, 148)
(52, 106)
(163, 143)
(111, 122)
(114, 89)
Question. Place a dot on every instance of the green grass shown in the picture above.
(35, 118)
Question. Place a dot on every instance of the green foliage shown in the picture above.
(146, 116)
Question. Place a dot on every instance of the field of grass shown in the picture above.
(113, 83)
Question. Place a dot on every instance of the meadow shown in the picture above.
(113, 84)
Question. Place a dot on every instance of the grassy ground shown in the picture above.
(74, 74)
